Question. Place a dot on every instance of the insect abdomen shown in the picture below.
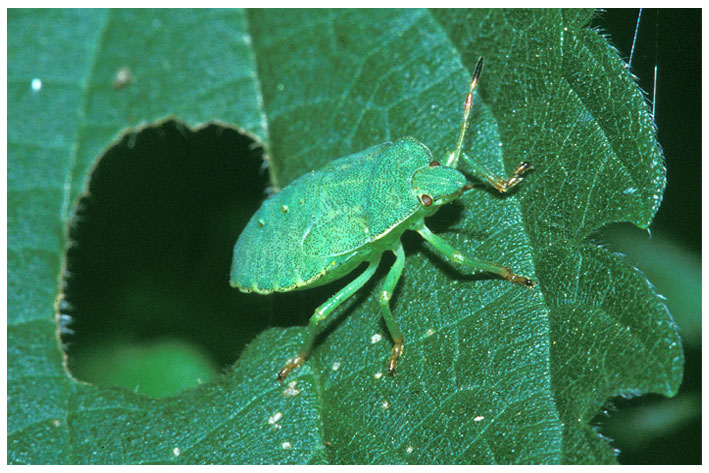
(272, 254)
(267, 256)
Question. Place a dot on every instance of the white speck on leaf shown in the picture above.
(176, 451)
(478, 418)
(275, 418)
(291, 390)
(36, 85)
(122, 78)
(409, 449)
(378, 375)
(286, 445)
(336, 366)
(385, 405)
(376, 338)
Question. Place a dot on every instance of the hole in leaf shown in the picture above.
(147, 282)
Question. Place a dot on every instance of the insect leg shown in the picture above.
(499, 183)
(457, 258)
(321, 314)
(384, 296)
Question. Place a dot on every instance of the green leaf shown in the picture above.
(491, 373)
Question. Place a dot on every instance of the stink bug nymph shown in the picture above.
(326, 223)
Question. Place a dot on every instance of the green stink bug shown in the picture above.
(326, 223)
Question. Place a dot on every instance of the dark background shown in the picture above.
(670, 39)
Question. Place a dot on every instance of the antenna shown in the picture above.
(455, 155)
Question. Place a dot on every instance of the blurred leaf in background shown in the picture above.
(491, 373)
(155, 368)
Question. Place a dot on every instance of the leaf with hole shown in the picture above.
(493, 374)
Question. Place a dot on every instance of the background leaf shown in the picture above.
(491, 373)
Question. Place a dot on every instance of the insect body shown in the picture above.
(326, 223)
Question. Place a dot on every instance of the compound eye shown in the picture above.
(433, 164)
(426, 200)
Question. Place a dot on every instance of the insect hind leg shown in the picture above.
(321, 313)
(384, 296)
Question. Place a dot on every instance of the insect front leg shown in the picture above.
(502, 185)
(384, 296)
(499, 183)
(321, 314)
(457, 258)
